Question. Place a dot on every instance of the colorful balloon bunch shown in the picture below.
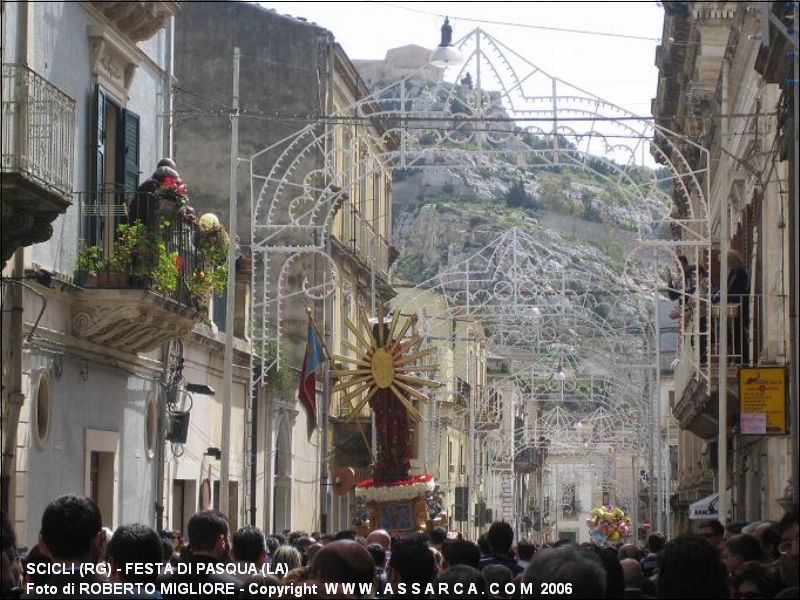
(608, 524)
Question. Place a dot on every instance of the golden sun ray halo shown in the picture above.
(383, 361)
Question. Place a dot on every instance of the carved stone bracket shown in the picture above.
(112, 63)
(139, 21)
(130, 320)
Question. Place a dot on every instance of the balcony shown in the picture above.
(360, 238)
(147, 277)
(139, 21)
(38, 143)
(697, 374)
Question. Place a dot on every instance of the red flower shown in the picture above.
(170, 182)
(179, 262)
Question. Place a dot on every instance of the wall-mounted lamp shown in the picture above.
(200, 388)
(214, 452)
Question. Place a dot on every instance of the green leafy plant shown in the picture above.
(91, 260)
(166, 274)
(132, 242)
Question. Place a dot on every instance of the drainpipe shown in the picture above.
(14, 397)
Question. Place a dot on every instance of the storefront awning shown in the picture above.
(708, 507)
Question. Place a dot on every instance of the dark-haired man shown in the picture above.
(71, 534)
(250, 547)
(501, 537)
(713, 532)
(131, 545)
(209, 540)
(461, 552)
(689, 567)
(344, 561)
(575, 567)
(411, 562)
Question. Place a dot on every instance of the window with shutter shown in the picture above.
(115, 172)
(129, 152)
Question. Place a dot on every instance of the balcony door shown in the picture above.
(115, 173)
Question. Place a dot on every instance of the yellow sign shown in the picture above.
(762, 401)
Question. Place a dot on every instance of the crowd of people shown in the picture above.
(742, 560)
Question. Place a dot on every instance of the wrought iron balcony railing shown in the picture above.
(700, 346)
(38, 130)
(127, 242)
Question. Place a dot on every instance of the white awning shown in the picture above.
(708, 507)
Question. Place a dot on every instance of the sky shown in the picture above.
(618, 69)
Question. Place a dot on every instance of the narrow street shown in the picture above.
(442, 299)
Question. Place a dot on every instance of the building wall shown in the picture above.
(92, 388)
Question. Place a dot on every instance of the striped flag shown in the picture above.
(307, 392)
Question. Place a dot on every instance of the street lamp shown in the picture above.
(446, 55)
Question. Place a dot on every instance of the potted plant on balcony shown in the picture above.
(211, 275)
(89, 263)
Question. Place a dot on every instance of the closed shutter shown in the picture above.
(129, 152)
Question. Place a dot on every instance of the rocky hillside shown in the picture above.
(444, 214)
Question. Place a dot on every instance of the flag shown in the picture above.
(307, 392)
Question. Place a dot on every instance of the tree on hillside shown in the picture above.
(518, 197)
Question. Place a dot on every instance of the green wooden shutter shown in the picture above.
(129, 152)
(93, 223)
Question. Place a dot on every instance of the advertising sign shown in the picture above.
(762, 401)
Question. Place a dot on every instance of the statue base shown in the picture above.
(399, 507)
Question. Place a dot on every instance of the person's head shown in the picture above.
(72, 530)
(380, 536)
(790, 556)
(343, 561)
(249, 546)
(525, 550)
(732, 529)
(768, 535)
(756, 580)
(131, 544)
(209, 535)
(712, 531)
(272, 544)
(461, 552)
(346, 534)
(411, 562)
(689, 567)
(288, 557)
(740, 549)
(500, 537)
(497, 578)
(378, 555)
(628, 551)
(437, 536)
(735, 259)
(655, 542)
(463, 581)
(311, 552)
(631, 573)
(567, 564)
(483, 544)
(296, 576)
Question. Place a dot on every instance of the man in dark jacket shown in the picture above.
(501, 538)
(210, 543)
